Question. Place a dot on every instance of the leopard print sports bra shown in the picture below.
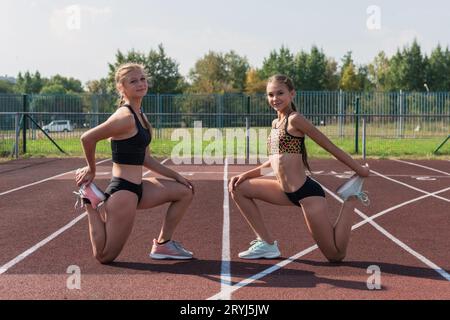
(281, 141)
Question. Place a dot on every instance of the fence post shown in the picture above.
(341, 115)
(24, 123)
(356, 125)
(247, 132)
(364, 137)
(17, 130)
(400, 113)
(158, 117)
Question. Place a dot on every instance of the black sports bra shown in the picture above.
(132, 150)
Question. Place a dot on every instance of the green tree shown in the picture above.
(438, 71)
(395, 75)
(29, 83)
(70, 85)
(55, 88)
(97, 86)
(6, 87)
(164, 72)
(378, 71)
(237, 68)
(210, 75)
(219, 73)
(414, 68)
(311, 70)
(349, 80)
(331, 75)
(164, 76)
(281, 62)
(362, 77)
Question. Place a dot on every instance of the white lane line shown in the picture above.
(43, 180)
(225, 270)
(409, 186)
(422, 166)
(26, 253)
(379, 214)
(426, 261)
(42, 243)
(365, 220)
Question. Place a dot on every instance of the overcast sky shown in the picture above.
(78, 38)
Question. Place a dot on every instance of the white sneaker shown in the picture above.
(261, 249)
(353, 187)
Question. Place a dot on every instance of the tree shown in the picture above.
(311, 70)
(29, 83)
(6, 87)
(438, 71)
(395, 78)
(219, 73)
(349, 80)
(362, 78)
(378, 72)
(52, 89)
(163, 72)
(281, 62)
(331, 75)
(69, 85)
(164, 76)
(254, 83)
(237, 68)
(209, 75)
(414, 68)
(97, 86)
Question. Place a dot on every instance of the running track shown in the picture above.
(405, 233)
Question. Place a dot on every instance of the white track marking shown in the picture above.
(43, 180)
(225, 270)
(366, 220)
(42, 243)
(422, 166)
(409, 186)
(28, 252)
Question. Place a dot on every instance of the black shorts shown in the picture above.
(118, 184)
(309, 189)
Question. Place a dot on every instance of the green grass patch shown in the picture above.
(376, 148)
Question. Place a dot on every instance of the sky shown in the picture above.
(79, 38)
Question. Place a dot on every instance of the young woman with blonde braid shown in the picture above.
(130, 134)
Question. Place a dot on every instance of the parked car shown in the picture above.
(58, 126)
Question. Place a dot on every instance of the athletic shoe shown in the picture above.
(169, 250)
(261, 249)
(90, 194)
(353, 187)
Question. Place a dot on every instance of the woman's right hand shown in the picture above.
(84, 176)
(235, 181)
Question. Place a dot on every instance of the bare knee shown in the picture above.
(335, 258)
(240, 190)
(105, 258)
(187, 194)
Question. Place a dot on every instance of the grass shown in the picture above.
(160, 147)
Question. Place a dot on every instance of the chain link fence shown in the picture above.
(52, 124)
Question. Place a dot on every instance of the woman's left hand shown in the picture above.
(185, 182)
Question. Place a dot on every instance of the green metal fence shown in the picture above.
(395, 116)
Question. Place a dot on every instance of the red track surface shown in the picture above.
(31, 214)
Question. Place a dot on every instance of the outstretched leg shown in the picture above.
(331, 239)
